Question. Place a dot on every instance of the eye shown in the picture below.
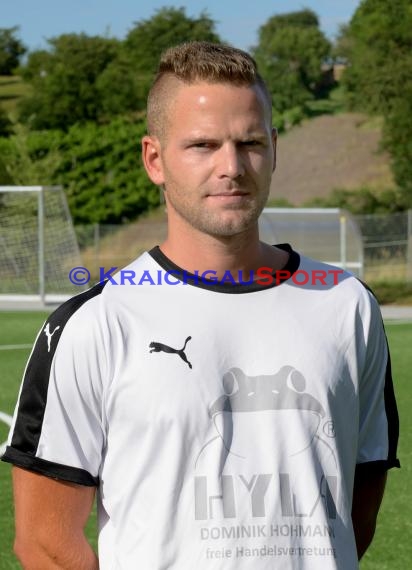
(203, 145)
(251, 142)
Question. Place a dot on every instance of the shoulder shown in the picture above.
(94, 317)
(78, 313)
(97, 303)
(350, 300)
(336, 279)
(64, 337)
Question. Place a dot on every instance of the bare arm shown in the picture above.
(367, 497)
(50, 520)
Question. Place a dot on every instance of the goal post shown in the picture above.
(331, 235)
(38, 244)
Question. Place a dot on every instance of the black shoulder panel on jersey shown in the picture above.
(33, 397)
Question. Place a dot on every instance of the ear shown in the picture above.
(152, 160)
(274, 142)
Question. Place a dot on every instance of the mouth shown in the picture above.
(229, 196)
(228, 193)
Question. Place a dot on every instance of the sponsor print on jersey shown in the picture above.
(266, 492)
(49, 335)
(8, 421)
(160, 347)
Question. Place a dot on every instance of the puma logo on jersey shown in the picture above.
(49, 335)
(159, 347)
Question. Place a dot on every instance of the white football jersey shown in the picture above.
(221, 423)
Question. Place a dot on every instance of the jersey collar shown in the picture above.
(287, 271)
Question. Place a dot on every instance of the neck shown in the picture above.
(195, 251)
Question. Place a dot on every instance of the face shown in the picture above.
(216, 159)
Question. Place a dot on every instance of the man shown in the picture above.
(227, 421)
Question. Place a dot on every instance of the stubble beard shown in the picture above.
(222, 222)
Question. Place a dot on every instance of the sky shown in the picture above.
(237, 21)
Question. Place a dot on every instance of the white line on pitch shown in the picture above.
(14, 346)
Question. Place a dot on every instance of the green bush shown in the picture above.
(391, 291)
(293, 116)
(6, 126)
(362, 201)
(99, 167)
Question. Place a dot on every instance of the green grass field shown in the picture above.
(392, 547)
(12, 88)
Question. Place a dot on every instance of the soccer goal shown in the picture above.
(38, 245)
(331, 235)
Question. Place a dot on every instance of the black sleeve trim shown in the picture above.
(391, 414)
(379, 466)
(49, 468)
(391, 408)
(33, 397)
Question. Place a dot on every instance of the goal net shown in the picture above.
(38, 245)
(327, 234)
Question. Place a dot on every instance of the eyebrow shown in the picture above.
(258, 135)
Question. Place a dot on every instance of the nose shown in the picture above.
(230, 162)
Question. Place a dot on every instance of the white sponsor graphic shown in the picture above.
(49, 335)
(253, 487)
(7, 420)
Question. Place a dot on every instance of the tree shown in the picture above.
(104, 178)
(39, 64)
(290, 54)
(168, 27)
(6, 126)
(398, 141)
(25, 166)
(6, 129)
(378, 44)
(129, 94)
(64, 80)
(97, 165)
(82, 78)
(11, 50)
(305, 18)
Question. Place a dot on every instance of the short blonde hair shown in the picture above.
(194, 62)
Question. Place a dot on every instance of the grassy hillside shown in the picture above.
(327, 152)
(12, 88)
